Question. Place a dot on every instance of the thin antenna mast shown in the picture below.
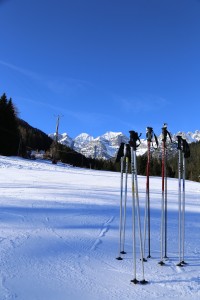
(55, 151)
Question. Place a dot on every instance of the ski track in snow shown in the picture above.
(104, 230)
(59, 237)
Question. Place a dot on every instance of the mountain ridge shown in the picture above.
(106, 145)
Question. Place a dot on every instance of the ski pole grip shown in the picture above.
(133, 139)
(149, 134)
(179, 142)
(164, 134)
(186, 148)
(120, 153)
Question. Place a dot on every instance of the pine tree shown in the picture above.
(3, 132)
(9, 133)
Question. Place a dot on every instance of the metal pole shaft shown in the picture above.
(179, 204)
(125, 202)
(133, 214)
(120, 209)
(183, 212)
(138, 214)
(162, 204)
(148, 198)
(165, 195)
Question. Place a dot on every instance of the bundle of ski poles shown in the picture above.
(126, 155)
(134, 138)
(125, 152)
(123, 156)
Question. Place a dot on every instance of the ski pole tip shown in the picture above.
(143, 281)
(135, 281)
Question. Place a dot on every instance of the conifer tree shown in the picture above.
(9, 133)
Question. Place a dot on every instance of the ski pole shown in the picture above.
(183, 214)
(149, 136)
(165, 133)
(121, 158)
(185, 154)
(179, 196)
(134, 280)
(126, 156)
(143, 281)
(162, 206)
(135, 202)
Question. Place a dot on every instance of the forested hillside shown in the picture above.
(19, 138)
(192, 164)
(32, 138)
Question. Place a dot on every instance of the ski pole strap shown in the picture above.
(124, 151)
(127, 151)
(156, 140)
(183, 146)
(134, 138)
(186, 148)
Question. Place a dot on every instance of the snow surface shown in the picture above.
(59, 236)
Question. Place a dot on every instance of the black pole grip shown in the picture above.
(186, 148)
(179, 142)
(120, 153)
(133, 139)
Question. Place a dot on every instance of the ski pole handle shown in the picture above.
(149, 134)
(120, 153)
(186, 148)
(134, 137)
(165, 133)
(179, 142)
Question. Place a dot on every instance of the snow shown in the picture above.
(112, 135)
(83, 138)
(59, 236)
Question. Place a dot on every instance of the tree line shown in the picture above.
(192, 163)
(9, 132)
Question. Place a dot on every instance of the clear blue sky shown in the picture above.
(104, 65)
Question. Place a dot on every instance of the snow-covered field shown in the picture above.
(59, 236)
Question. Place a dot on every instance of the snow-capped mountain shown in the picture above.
(107, 145)
(190, 136)
(104, 146)
(63, 138)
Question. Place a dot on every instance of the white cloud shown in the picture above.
(62, 86)
(21, 70)
(142, 104)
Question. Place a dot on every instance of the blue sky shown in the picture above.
(103, 65)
